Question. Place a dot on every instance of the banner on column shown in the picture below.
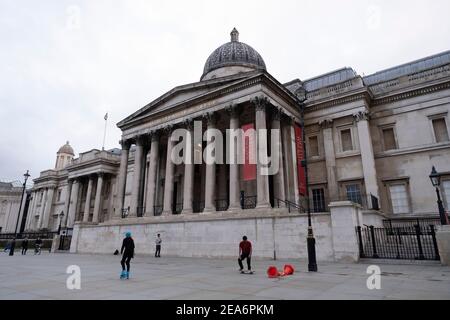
(249, 152)
(300, 156)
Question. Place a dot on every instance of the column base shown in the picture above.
(187, 211)
(263, 206)
(208, 210)
(235, 209)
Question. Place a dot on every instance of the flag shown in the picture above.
(106, 116)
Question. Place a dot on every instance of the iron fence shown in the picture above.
(410, 243)
(140, 211)
(157, 210)
(411, 222)
(198, 206)
(29, 235)
(248, 202)
(177, 208)
(221, 204)
(291, 206)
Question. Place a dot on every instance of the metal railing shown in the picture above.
(198, 206)
(411, 222)
(29, 235)
(367, 201)
(291, 206)
(157, 210)
(177, 208)
(410, 243)
(221, 204)
(140, 211)
(248, 202)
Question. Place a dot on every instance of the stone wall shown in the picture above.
(216, 235)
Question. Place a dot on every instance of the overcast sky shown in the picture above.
(64, 64)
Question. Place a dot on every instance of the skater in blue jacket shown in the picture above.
(128, 253)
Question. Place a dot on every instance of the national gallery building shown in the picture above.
(370, 144)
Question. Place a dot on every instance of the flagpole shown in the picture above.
(104, 131)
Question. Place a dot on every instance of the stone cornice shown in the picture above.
(412, 93)
(360, 94)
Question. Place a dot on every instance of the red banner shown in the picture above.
(249, 153)
(300, 156)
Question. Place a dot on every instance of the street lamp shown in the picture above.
(435, 178)
(311, 242)
(61, 215)
(26, 175)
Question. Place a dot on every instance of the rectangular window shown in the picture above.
(59, 195)
(346, 140)
(313, 146)
(389, 139)
(354, 193)
(399, 198)
(318, 200)
(440, 130)
(446, 189)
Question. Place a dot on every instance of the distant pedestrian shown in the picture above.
(245, 252)
(7, 247)
(24, 246)
(13, 246)
(128, 253)
(158, 246)
(37, 246)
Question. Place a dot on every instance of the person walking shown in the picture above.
(24, 246)
(37, 246)
(158, 246)
(13, 245)
(245, 252)
(127, 252)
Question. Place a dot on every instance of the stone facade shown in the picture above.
(10, 197)
(370, 140)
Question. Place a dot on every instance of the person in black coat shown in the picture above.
(127, 252)
(13, 246)
(24, 246)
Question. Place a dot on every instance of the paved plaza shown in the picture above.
(44, 277)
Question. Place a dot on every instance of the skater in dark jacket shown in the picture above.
(128, 253)
(245, 252)
(24, 246)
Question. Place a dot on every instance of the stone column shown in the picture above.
(41, 210)
(98, 198)
(67, 202)
(210, 182)
(87, 204)
(262, 181)
(48, 208)
(73, 208)
(168, 182)
(234, 166)
(122, 178)
(278, 179)
(330, 158)
(188, 187)
(367, 155)
(152, 175)
(137, 177)
(285, 136)
(294, 162)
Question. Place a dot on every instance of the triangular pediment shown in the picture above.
(185, 93)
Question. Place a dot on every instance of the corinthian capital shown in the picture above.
(260, 102)
(326, 123)
(361, 115)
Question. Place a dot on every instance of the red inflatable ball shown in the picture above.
(272, 272)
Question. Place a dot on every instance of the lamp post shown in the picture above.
(61, 215)
(310, 240)
(26, 175)
(435, 178)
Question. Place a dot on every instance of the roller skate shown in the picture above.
(123, 274)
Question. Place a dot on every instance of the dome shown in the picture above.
(66, 149)
(234, 53)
